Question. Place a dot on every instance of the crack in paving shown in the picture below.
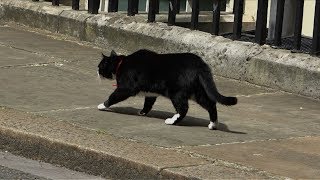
(260, 94)
(237, 142)
(36, 53)
(40, 64)
(64, 110)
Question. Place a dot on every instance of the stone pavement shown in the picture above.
(49, 93)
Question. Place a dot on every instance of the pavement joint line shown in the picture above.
(260, 94)
(35, 53)
(9, 46)
(40, 64)
(241, 142)
(59, 110)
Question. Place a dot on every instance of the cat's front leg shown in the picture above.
(120, 94)
(148, 103)
(180, 102)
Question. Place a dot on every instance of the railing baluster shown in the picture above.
(178, 6)
(172, 12)
(279, 22)
(316, 30)
(55, 2)
(261, 24)
(238, 16)
(152, 11)
(113, 5)
(223, 5)
(298, 25)
(157, 7)
(75, 4)
(195, 14)
(93, 6)
(133, 6)
(216, 17)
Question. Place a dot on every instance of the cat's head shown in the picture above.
(106, 65)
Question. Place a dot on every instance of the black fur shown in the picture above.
(178, 77)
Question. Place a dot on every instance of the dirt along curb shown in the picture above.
(262, 65)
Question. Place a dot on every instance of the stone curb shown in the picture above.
(261, 65)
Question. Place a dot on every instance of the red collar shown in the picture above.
(117, 70)
(118, 66)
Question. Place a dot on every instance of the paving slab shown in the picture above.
(215, 171)
(47, 88)
(298, 158)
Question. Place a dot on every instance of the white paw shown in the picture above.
(140, 113)
(172, 120)
(102, 107)
(213, 126)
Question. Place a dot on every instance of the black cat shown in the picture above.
(179, 77)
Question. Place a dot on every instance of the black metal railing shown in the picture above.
(260, 33)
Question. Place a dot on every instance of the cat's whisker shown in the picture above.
(99, 77)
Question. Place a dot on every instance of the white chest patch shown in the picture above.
(172, 120)
(148, 94)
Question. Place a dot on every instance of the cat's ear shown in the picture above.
(103, 55)
(113, 53)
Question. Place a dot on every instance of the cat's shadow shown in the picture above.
(188, 121)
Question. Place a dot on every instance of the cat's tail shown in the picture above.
(212, 92)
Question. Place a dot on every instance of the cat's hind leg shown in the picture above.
(148, 103)
(180, 102)
(202, 99)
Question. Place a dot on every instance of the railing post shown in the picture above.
(178, 6)
(223, 5)
(195, 14)
(172, 12)
(316, 30)
(298, 24)
(216, 17)
(113, 5)
(152, 11)
(55, 2)
(133, 6)
(261, 24)
(75, 4)
(238, 17)
(157, 7)
(93, 6)
(279, 22)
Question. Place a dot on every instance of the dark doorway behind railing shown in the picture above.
(296, 43)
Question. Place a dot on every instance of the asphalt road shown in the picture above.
(16, 167)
